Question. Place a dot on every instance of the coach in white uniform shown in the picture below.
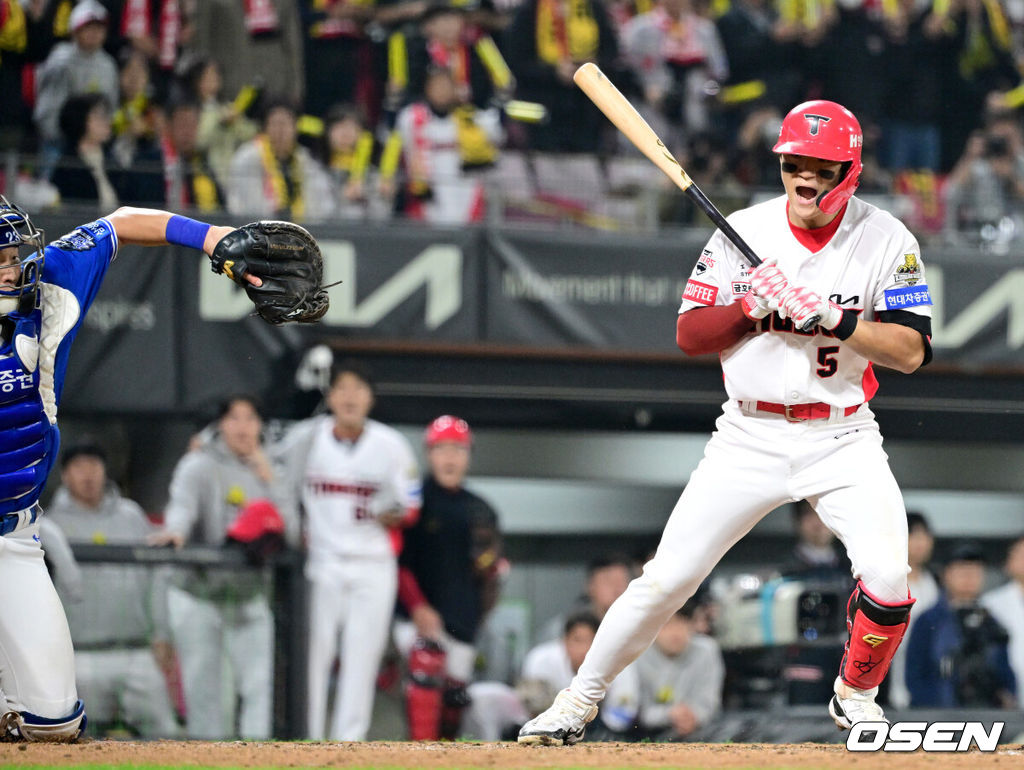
(358, 483)
(797, 424)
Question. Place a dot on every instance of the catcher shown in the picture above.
(44, 296)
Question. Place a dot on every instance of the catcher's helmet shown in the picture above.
(448, 428)
(16, 229)
(829, 131)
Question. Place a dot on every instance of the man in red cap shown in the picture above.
(447, 581)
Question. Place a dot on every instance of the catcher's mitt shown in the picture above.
(288, 261)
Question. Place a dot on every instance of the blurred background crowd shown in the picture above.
(452, 110)
(398, 629)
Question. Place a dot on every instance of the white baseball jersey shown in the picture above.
(871, 264)
(348, 485)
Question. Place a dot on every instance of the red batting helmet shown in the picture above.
(448, 428)
(260, 517)
(829, 131)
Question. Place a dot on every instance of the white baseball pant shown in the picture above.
(752, 465)
(225, 650)
(126, 683)
(37, 663)
(351, 604)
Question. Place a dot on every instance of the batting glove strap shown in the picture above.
(754, 307)
(847, 324)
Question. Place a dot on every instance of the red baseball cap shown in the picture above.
(258, 518)
(448, 428)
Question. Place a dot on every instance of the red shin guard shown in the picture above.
(424, 692)
(876, 629)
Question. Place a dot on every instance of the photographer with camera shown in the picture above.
(957, 652)
(985, 190)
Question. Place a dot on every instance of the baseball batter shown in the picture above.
(797, 424)
(44, 296)
(358, 481)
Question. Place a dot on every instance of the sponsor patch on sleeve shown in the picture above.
(701, 293)
(705, 262)
(907, 296)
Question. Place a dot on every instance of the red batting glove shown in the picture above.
(801, 304)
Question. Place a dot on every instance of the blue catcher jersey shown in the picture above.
(34, 357)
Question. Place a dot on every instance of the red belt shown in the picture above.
(800, 412)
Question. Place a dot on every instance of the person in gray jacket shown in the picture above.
(681, 677)
(220, 618)
(76, 67)
(118, 619)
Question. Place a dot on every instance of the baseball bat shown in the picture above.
(616, 107)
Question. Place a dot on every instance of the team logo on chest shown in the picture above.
(910, 271)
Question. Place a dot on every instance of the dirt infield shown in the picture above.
(486, 755)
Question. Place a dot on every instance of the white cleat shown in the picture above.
(850, 706)
(563, 724)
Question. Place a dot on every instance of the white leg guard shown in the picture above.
(20, 725)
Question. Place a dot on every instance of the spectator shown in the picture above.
(856, 69)
(448, 40)
(188, 179)
(760, 71)
(987, 184)
(444, 140)
(223, 126)
(607, 578)
(84, 171)
(274, 176)
(137, 122)
(220, 618)
(550, 666)
(157, 31)
(73, 68)
(923, 589)
(979, 67)
(358, 483)
(254, 42)
(546, 42)
(815, 556)
(339, 60)
(957, 656)
(347, 153)
(448, 573)
(674, 53)
(1006, 604)
(681, 678)
(119, 623)
(920, 48)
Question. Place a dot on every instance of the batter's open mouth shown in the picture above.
(807, 193)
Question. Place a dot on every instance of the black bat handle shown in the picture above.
(729, 231)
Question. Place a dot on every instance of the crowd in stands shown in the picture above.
(412, 562)
(367, 109)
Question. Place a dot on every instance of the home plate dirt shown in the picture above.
(246, 754)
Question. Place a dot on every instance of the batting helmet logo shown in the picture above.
(816, 121)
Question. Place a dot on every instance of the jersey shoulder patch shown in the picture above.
(82, 238)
